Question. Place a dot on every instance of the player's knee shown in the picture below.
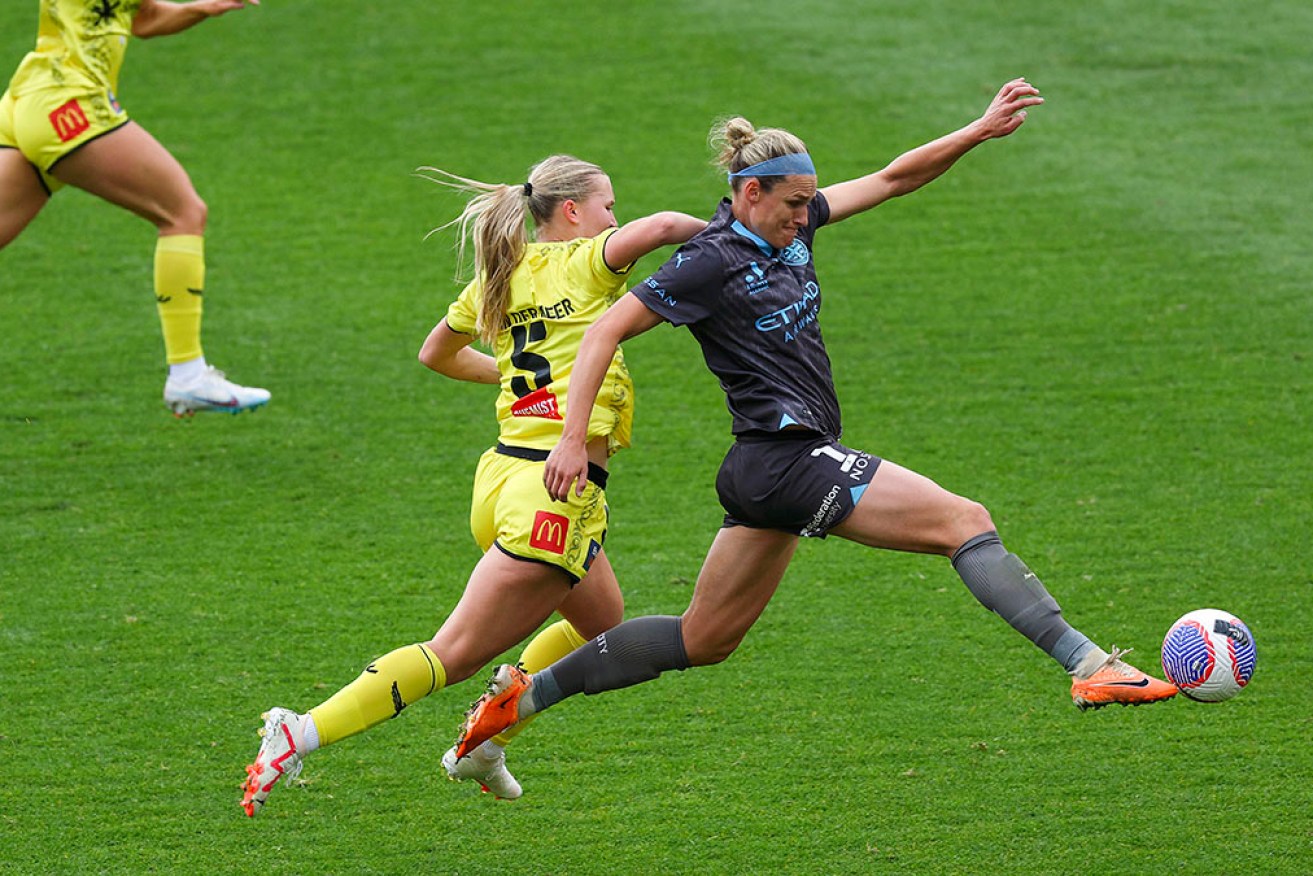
(709, 653)
(196, 213)
(187, 216)
(969, 519)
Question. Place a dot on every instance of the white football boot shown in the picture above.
(488, 769)
(211, 391)
(279, 757)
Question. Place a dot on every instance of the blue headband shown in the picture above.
(797, 163)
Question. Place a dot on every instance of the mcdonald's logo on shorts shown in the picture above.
(549, 532)
(69, 121)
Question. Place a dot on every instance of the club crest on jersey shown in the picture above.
(549, 532)
(796, 254)
(539, 403)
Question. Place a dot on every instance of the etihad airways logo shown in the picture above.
(549, 532)
(539, 403)
(793, 316)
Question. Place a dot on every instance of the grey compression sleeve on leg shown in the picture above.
(1006, 586)
(635, 651)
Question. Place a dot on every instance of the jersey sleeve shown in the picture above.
(687, 288)
(588, 263)
(463, 314)
(818, 213)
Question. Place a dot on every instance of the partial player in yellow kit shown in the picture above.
(61, 123)
(531, 302)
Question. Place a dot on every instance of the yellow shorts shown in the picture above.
(511, 509)
(49, 123)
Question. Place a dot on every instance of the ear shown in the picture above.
(570, 210)
(752, 189)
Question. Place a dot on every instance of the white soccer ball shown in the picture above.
(1209, 654)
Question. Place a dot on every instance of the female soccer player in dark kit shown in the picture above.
(748, 290)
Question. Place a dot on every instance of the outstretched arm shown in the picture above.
(911, 170)
(640, 237)
(448, 352)
(161, 17)
(568, 462)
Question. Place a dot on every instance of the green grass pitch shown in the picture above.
(1101, 328)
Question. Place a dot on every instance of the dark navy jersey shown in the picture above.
(754, 310)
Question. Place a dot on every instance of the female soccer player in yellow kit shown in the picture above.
(61, 123)
(531, 302)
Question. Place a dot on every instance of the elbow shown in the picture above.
(143, 27)
(677, 227)
(429, 358)
(601, 335)
(665, 228)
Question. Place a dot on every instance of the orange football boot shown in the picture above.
(1118, 682)
(496, 710)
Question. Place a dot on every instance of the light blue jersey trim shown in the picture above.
(762, 245)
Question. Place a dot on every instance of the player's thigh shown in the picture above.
(504, 601)
(738, 579)
(22, 190)
(21, 194)
(132, 169)
(596, 603)
(906, 511)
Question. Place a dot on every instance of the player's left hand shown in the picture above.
(1007, 111)
(567, 465)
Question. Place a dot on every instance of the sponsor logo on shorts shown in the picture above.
(113, 102)
(69, 121)
(549, 532)
(594, 548)
(539, 403)
(824, 517)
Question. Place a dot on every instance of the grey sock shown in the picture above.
(1006, 586)
(635, 651)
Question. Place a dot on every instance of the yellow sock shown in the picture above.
(546, 648)
(179, 285)
(387, 686)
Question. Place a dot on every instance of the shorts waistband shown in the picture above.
(596, 473)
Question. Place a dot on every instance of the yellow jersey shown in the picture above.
(79, 44)
(558, 290)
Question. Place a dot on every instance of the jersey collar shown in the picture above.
(739, 228)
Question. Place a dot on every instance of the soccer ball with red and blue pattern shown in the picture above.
(1209, 654)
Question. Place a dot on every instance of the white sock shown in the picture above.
(185, 372)
(309, 734)
(490, 750)
(1090, 662)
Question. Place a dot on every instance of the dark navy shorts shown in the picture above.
(805, 485)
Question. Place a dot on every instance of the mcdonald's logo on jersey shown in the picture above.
(69, 121)
(549, 532)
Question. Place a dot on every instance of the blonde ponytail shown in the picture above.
(496, 217)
